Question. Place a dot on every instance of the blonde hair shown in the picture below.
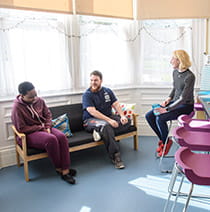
(183, 58)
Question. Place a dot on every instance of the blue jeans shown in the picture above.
(159, 123)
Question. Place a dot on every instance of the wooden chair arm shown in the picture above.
(22, 136)
(135, 115)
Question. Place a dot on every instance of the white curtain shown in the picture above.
(58, 52)
(7, 80)
(105, 46)
(33, 48)
(198, 43)
(159, 38)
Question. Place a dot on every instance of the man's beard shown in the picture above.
(95, 89)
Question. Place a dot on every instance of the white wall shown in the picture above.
(143, 97)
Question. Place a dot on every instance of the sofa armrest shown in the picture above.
(22, 136)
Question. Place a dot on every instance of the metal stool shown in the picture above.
(164, 148)
(174, 141)
(196, 140)
(193, 167)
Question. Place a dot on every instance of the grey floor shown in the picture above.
(140, 187)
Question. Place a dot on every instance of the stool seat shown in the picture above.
(194, 140)
(194, 166)
(194, 124)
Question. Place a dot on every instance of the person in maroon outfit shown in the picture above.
(31, 116)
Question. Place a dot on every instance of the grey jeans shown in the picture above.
(107, 132)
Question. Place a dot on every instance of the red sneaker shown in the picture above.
(168, 146)
(160, 144)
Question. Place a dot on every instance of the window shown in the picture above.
(104, 46)
(33, 50)
(57, 52)
(158, 40)
(131, 53)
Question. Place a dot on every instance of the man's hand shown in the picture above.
(113, 123)
(124, 120)
(47, 130)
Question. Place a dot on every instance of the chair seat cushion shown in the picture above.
(83, 137)
(130, 129)
(79, 138)
(33, 151)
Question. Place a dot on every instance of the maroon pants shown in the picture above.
(56, 145)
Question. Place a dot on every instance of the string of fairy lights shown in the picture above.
(92, 27)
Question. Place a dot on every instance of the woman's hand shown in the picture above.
(164, 103)
(161, 110)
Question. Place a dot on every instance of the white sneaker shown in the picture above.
(96, 136)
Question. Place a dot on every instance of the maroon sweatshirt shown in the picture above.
(29, 118)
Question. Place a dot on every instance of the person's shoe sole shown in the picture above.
(72, 172)
(68, 178)
(120, 167)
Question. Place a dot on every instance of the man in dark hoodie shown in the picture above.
(31, 116)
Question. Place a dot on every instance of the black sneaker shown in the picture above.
(117, 161)
(68, 178)
(72, 172)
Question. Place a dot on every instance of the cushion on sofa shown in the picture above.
(79, 138)
(130, 129)
(62, 123)
(128, 109)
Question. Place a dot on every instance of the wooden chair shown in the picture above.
(24, 152)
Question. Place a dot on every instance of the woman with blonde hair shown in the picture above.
(180, 100)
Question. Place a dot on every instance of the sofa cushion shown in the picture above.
(33, 151)
(83, 137)
(79, 138)
(62, 123)
(130, 129)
